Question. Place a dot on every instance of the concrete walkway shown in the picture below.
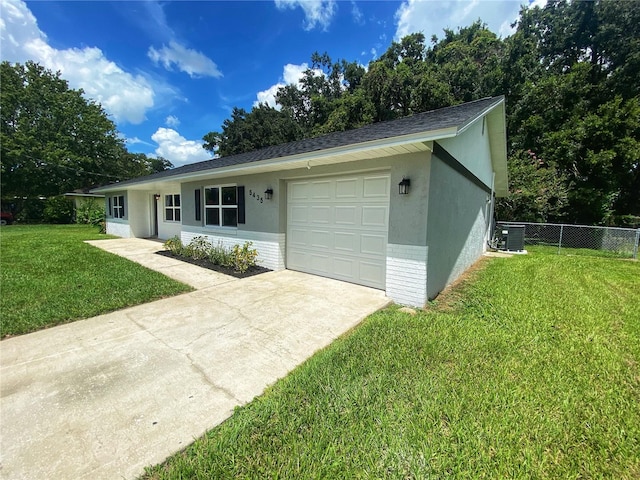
(142, 251)
(107, 396)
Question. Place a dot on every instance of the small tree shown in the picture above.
(58, 210)
(90, 212)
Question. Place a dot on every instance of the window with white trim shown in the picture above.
(221, 206)
(172, 208)
(116, 206)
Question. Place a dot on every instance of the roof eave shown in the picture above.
(280, 163)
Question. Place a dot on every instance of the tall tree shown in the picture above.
(572, 99)
(247, 131)
(53, 140)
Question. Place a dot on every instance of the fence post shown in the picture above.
(560, 242)
(635, 247)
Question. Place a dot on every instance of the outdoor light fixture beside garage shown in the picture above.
(268, 194)
(403, 186)
(156, 196)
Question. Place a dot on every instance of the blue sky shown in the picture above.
(169, 72)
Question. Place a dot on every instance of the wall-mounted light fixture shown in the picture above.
(268, 194)
(156, 196)
(403, 186)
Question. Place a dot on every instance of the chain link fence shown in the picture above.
(622, 242)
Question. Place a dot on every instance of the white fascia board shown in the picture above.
(481, 115)
(83, 195)
(274, 163)
(117, 187)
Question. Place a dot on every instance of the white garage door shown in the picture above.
(337, 227)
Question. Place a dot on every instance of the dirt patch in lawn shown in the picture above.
(257, 270)
(450, 297)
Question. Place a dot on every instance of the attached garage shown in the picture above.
(337, 227)
(404, 205)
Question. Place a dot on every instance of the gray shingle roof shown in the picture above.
(456, 116)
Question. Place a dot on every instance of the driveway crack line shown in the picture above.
(192, 362)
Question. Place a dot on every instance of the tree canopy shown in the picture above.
(53, 140)
(570, 74)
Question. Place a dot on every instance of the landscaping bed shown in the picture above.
(204, 263)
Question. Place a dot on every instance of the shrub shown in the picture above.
(90, 212)
(219, 255)
(174, 245)
(58, 210)
(198, 248)
(242, 258)
(30, 210)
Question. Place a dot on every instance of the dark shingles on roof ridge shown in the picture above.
(442, 118)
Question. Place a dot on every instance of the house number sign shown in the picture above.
(255, 195)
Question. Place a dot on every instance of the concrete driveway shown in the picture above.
(107, 396)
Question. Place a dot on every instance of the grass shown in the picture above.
(553, 249)
(50, 276)
(529, 370)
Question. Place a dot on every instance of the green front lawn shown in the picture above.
(50, 276)
(529, 370)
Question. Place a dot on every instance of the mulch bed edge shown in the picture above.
(257, 270)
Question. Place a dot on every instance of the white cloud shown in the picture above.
(186, 59)
(125, 96)
(155, 20)
(316, 12)
(177, 149)
(133, 140)
(356, 13)
(268, 96)
(431, 17)
(172, 121)
(291, 74)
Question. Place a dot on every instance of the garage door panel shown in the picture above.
(298, 191)
(371, 272)
(320, 263)
(338, 227)
(344, 267)
(375, 216)
(320, 214)
(346, 242)
(321, 239)
(347, 188)
(376, 187)
(373, 244)
(347, 215)
(296, 259)
(299, 237)
(321, 190)
(299, 214)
